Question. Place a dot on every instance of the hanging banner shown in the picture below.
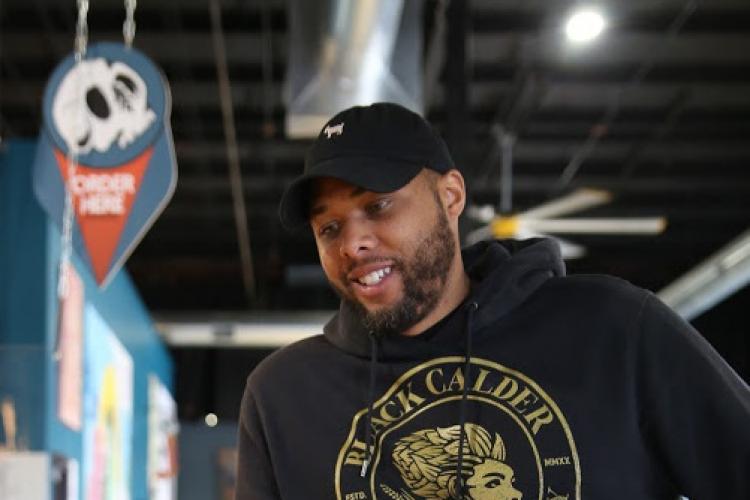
(162, 462)
(107, 412)
(112, 111)
(70, 351)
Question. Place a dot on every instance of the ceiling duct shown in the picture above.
(351, 52)
(718, 277)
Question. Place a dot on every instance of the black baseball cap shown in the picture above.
(380, 148)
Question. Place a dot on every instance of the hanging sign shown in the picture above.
(70, 352)
(110, 112)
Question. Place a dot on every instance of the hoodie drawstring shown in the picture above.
(472, 307)
(370, 402)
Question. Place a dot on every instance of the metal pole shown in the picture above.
(233, 156)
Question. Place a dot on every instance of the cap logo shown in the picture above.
(337, 129)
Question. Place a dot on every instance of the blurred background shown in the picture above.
(622, 131)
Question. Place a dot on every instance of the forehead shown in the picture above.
(325, 190)
(328, 186)
(492, 465)
(323, 187)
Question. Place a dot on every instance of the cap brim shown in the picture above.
(373, 174)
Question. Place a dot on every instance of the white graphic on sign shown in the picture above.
(114, 106)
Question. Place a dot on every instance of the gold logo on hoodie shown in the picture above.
(518, 445)
(427, 461)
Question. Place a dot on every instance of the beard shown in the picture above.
(423, 274)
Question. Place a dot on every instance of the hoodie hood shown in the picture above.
(503, 274)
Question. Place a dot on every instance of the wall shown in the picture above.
(199, 446)
(29, 250)
(24, 281)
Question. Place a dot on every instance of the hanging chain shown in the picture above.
(66, 244)
(82, 30)
(128, 27)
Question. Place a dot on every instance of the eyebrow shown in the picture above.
(498, 475)
(319, 209)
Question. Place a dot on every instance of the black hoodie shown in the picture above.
(576, 387)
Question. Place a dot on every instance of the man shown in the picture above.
(485, 373)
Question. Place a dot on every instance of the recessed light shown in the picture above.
(584, 25)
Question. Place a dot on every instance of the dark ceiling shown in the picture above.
(657, 111)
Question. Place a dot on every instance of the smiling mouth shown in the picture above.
(375, 277)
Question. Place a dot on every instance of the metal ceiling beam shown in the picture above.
(457, 72)
(666, 185)
(616, 48)
(58, 48)
(674, 110)
(261, 330)
(195, 214)
(434, 54)
(172, 18)
(642, 16)
(716, 278)
(529, 150)
(576, 97)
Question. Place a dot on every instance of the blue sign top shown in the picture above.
(109, 108)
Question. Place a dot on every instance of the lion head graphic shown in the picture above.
(427, 461)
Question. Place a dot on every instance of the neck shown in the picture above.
(456, 289)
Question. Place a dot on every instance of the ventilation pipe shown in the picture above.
(351, 52)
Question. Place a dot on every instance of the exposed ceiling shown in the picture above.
(657, 111)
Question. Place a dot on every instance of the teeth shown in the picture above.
(375, 277)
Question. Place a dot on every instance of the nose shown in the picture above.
(357, 239)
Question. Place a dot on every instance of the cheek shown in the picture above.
(329, 262)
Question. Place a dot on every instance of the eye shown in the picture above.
(125, 80)
(493, 483)
(328, 230)
(97, 103)
(378, 206)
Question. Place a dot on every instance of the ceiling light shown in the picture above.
(584, 25)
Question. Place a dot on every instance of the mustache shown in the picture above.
(395, 263)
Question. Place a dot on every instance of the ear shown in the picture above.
(453, 192)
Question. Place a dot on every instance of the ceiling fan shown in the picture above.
(547, 219)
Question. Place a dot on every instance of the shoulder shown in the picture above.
(594, 309)
(598, 291)
(609, 304)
